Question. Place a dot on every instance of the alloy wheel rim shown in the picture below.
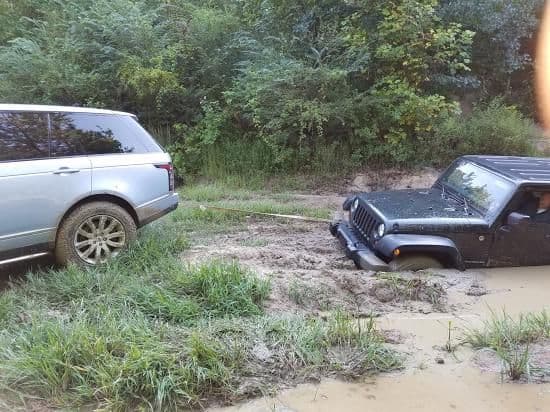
(99, 238)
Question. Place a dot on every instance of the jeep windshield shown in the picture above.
(476, 187)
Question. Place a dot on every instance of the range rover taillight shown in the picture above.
(170, 169)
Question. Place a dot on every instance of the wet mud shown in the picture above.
(310, 274)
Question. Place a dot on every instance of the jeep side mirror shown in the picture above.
(517, 219)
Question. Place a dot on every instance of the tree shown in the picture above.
(503, 46)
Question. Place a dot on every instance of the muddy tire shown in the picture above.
(414, 262)
(93, 233)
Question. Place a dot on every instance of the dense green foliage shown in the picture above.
(260, 86)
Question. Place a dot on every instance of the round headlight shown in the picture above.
(381, 230)
(355, 205)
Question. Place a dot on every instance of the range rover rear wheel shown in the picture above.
(414, 262)
(93, 233)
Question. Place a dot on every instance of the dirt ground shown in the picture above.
(310, 274)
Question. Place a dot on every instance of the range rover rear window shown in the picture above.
(75, 134)
(23, 136)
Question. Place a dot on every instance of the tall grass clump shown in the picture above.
(121, 360)
(223, 289)
(503, 331)
(115, 358)
(511, 338)
(8, 309)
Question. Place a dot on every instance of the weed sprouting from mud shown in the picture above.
(511, 339)
(503, 331)
(515, 361)
(449, 347)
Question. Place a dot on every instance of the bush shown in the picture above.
(493, 129)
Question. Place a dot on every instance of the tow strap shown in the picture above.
(248, 212)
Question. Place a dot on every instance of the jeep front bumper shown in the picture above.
(361, 254)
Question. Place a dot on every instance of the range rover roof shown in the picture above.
(56, 109)
(519, 169)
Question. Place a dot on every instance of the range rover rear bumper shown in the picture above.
(157, 208)
(361, 254)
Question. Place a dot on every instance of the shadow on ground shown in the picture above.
(17, 271)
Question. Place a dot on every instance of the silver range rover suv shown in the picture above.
(77, 183)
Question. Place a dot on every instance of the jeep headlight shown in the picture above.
(354, 205)
(381, 230)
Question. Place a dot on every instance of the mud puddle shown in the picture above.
(464, 389)
(434, 379)
(515, 290)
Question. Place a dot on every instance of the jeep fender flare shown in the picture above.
(423, 244)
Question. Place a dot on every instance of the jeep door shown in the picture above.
(36, 187)
(505, 248)
(536, 250)
(523, 243)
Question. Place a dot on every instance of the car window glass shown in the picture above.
(537, 206)
(478, 186)
(76, 134)
(23, 136)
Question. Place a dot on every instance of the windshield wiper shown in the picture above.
(466, 207)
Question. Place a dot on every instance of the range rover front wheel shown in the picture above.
(94, 233)
(413, 263)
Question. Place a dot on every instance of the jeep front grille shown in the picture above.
(365, 223)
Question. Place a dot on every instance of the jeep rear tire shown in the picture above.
(413, 263)
(94, 233)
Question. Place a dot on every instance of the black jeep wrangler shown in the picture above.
(483, 211)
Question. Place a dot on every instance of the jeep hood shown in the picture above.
(418, 205)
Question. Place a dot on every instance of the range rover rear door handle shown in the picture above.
(65, 171)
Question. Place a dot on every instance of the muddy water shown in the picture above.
(516, 289)
(429, 391)
(456, 385)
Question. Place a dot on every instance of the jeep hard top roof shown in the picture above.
(56, 109)
(519, 169)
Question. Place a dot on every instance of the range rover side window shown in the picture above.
(23, 136)
(76, 134)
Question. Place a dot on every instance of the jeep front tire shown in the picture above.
(413, 263)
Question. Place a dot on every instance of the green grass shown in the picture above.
(510, 338)
(121, 360)
(192, 218)
(210, 192)
(147, 332)
(503, 331)
(222, 289)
